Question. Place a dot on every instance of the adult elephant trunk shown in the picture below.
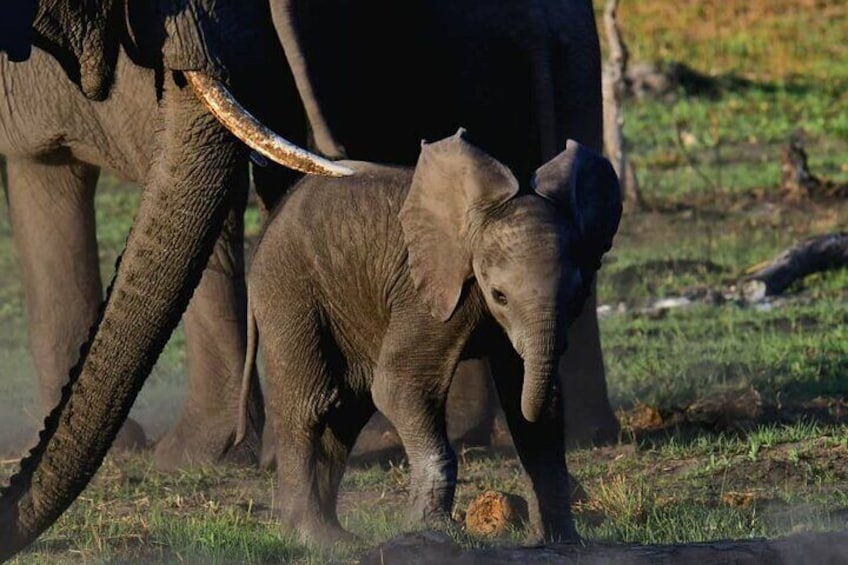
(541, 359)
(181, 214)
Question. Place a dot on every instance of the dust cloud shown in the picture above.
(156, 409)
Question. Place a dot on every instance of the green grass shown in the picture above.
(788, 74)
(767, 40)
(770, 481)
(705, 350)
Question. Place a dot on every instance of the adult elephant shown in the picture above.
(55, 141)
(522, 75)
(155, 104)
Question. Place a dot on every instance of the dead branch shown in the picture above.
(814, 255)
(614, 86)
(798, 183)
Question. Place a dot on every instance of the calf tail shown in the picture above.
(249, 362)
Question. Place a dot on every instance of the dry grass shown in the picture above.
(773, 40)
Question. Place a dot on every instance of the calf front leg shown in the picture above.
(541, 449)
(410, 389)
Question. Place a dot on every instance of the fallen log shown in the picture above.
(424, 548)
(814, 255)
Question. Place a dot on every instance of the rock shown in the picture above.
(494, 513)
(726, 410)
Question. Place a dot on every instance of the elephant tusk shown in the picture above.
(227, 110)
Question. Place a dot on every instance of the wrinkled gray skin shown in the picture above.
(368, 291)
(56, 141)
(194, 173)
(523, 75)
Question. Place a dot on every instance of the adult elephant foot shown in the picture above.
(194, 444)
(215, 333)
(378, 443)
(587, 425)
(589, 418)
(130, 438)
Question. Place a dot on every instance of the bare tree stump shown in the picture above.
(614, 86)
(814, 255)
(798, 183)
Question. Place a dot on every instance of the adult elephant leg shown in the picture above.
(589, 419)
(471, 407)
(180, 216)
(51, 203)
(215, 340)
(576, 74)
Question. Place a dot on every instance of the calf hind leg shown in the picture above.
(316, 420)
(311, 461)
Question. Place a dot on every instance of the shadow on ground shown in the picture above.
(430, 547)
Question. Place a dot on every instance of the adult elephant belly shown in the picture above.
(55, 142)
(521, 76)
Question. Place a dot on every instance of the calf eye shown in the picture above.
(499, 297)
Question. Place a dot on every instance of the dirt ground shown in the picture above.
(432, 548)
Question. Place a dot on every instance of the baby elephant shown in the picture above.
(368, 290)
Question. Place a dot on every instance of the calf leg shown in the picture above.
(315, 418)
(541, 449)
(413, 399)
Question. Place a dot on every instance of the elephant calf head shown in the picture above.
(533, 254)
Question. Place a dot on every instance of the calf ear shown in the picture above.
(584, 187)
(452, 180)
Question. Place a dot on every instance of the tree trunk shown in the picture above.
(613, 88)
